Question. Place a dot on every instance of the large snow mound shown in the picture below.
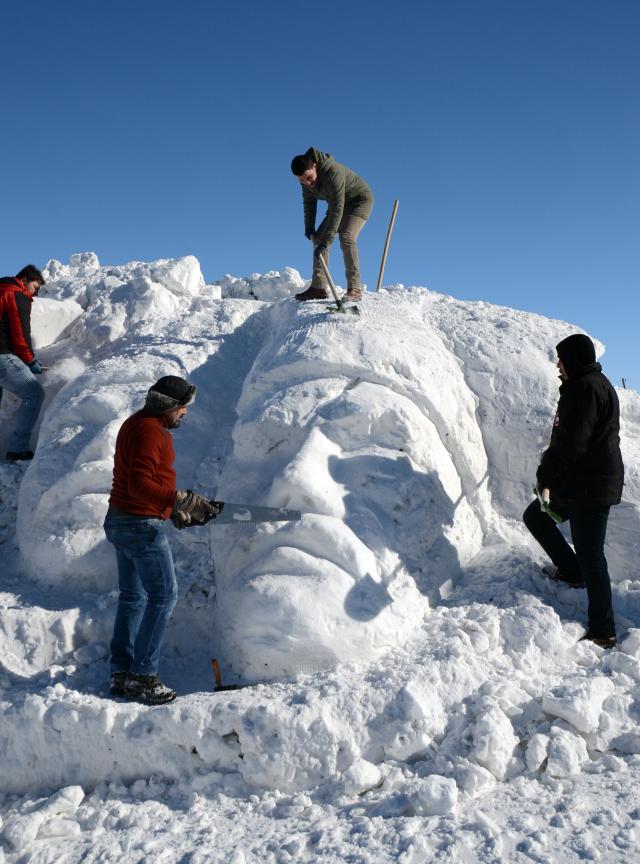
(405, 436)
(447, 678)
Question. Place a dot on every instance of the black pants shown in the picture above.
(588, 532)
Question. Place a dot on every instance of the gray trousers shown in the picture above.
(348, 231)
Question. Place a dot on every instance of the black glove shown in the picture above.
(542, 480)
(35, 367)
(320, 248)
(193, 509)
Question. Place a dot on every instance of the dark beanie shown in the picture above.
(576, 351)
(168, 393)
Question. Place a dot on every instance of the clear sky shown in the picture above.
(508, 129)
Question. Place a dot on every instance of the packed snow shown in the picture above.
(417, 688)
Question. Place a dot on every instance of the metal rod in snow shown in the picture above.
(386, 245)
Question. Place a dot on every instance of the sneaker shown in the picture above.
(313, 294)
(602, 641)
(116, 683)
(148, 689)
(19, 455)
(353, 295)
(558, 576)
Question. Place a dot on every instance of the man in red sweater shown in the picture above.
(143, 497)
(18, 365)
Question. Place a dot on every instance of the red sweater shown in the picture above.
(144, 482)
(15, 319)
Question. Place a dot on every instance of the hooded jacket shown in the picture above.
(15, 319)
(344, 191)
(583, 463)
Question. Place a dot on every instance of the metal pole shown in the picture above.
(386, 245)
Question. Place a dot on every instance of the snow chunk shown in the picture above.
(85, 261)
(21, 830)
(65, 802)
(537, 751)
(494, 741)
(360, 777)
(631, 643)
(49, 318)
(182, 276)
(272, 286)
(579, 702)
(433, 796)
(567, 753)
(57, 828)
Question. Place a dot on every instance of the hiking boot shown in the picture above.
(148, 689)
(558, 576)
(602, 641)
(116, 683)
(353, 295)
(19, 455)
(313, 294)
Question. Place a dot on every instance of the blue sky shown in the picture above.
(509, 131)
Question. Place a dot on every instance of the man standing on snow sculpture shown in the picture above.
(349, 200)
(18, 365)
(143, 497)
(581, 475)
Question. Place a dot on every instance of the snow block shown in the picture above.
(433, 796)
(579, 701)
(50, 318)
(567, 753)
(494, 741)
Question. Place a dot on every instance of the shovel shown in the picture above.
(340, 307)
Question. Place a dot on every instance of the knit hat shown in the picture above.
(168, 393)
(576, 351)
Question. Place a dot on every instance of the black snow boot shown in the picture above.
(148, 689)
(602, 641)
(116, 683)
(558, 576)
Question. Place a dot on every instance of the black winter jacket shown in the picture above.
(583, 463)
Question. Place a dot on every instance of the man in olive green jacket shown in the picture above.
(349, 203)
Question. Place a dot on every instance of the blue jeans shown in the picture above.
(148, 591)
(588, 532)
(17, 378)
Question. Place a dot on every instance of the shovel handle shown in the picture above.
(330, 280)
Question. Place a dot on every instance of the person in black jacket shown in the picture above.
(18, 364)
(583, 472)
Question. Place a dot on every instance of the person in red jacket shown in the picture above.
(143, 497)
(18, 364)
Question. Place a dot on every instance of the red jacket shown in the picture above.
(144, 482)
(15, 319)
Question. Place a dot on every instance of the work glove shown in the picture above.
(544, 500)
(35, 367)
(544, 497)
(193, 509)
(320, 248)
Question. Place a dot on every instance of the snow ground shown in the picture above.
(419, 692)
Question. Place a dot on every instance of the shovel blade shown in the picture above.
(344, 310)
